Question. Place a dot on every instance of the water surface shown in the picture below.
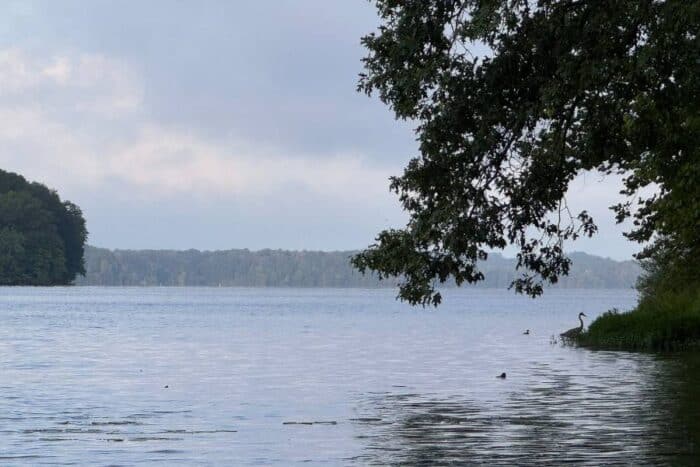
(183, 376)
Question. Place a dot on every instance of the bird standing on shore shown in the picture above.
(575, 331)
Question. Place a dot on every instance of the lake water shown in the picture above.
(185, 376)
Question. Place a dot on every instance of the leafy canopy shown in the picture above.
(42, 238)
(566, 86)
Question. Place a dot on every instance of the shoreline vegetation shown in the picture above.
(666, 322)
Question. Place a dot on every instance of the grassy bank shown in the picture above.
(669, 322)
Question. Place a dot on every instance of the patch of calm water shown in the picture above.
(339, 377)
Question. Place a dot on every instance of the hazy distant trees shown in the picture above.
(279, 268)
(41, 237)
(226, 268)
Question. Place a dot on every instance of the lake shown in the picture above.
(219, 376)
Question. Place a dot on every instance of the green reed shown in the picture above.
(666, 322)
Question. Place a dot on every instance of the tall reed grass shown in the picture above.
(665, 322)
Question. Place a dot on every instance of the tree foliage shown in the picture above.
(41, 237)
(561, 87)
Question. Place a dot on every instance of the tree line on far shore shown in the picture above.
(281, 268)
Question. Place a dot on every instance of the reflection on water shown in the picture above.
(644, 410)
(329, 377)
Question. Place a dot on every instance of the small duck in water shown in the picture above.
(501, 376)
(527, 332)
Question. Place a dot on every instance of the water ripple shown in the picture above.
(279, 377)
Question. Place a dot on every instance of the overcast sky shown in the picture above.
(213, 125)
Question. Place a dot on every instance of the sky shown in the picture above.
(215, 124)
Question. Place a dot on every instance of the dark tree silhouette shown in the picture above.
(565, 86)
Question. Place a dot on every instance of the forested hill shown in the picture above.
(280, 268)
(42, 237)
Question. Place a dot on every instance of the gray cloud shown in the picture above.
(281, 72)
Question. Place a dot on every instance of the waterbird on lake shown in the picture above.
(527, 332)
(573, 332)
(502, 376)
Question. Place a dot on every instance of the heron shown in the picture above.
(573, 332)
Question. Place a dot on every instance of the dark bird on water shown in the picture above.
(527, 332)
(573, 332)
(502, 376)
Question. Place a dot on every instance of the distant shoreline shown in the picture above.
(306, 269)
(301, 287)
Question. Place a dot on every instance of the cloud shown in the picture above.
(88, 83)
(45, 150)
(175, 162)
(78, 122)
